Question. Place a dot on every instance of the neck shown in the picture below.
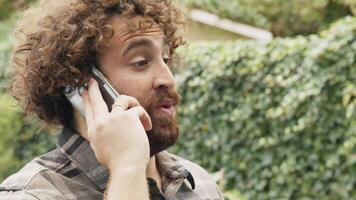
(152, 171)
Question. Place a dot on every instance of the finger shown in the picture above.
(88, 110)
(98, 105)
(117, 107)
(143, 115)
(127, 102)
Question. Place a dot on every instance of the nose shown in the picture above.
(164, 77)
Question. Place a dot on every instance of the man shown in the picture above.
(117, 154)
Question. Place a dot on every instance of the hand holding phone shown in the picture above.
(119, 140)
(117, 136)
(74, 94)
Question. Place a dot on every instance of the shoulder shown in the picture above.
(196, 170)
(16, 195)
(32, 180)
(204, 184)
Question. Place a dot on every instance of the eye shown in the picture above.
(141, 64)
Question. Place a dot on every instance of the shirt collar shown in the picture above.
(78, 150)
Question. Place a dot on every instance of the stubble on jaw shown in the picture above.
(165, 130)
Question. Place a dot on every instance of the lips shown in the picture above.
(168, 103)
(168, 107)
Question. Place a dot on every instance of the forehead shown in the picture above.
(127, 29)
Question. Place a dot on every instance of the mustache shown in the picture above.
(162, 97)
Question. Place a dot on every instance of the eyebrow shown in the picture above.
(143, 42)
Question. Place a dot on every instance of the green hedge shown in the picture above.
(6, 42)
(8, 7)
(278, 117)
(20, 140)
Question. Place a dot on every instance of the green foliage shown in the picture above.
(278, 117)
(233, 195)
(7, 7)
(283, 18)
(20, 139)
(349, 3)
(6, 43)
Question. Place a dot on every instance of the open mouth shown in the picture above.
(168, 108)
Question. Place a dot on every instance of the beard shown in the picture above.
(165, 128)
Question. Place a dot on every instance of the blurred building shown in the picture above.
(204, 26)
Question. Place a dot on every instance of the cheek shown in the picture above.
(136, 87)
(131, 83)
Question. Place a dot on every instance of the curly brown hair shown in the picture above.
(58, 40)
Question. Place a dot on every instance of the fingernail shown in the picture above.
(84, 93)
(90, 82)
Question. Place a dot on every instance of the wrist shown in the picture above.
(128, 161)
(122, 170)
(127, 182)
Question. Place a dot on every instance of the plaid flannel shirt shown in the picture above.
(71, 171)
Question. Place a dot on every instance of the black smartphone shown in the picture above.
(74, 94)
